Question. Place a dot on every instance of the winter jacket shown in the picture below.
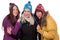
(48, 30)
(15, 29)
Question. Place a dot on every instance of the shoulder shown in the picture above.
(50, 18)
(6, 18)
(4, 21)
(51, 24)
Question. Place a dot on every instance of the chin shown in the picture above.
(28, 16)
(39, 17)
(15, 15)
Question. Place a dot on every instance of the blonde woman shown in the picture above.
(28, 23)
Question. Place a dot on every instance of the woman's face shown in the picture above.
(27, 13)
(39, 14)
(15, 11)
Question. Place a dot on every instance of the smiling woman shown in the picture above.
(28, 23)
(11, 23)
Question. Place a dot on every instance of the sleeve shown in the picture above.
(16, 28)
(4, 25)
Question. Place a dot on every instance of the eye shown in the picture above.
(24, 10)
(13, 8)
(28, 11)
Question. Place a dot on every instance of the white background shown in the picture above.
(53, 6)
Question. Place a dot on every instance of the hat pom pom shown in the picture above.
(11, 4)
(29, 2)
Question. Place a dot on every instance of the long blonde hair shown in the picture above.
(31, 19)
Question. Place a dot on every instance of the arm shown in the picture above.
(4, 24)
(47, 34)
(16, 28)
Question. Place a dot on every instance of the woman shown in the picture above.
(11, 23)
(46, 25)
(28, 24)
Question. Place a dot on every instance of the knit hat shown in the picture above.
(28, 6)
(40, 8)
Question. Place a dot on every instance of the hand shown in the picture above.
(39, 30)
(44, 33)
(18, 20)
(9, 30)
(38, 27)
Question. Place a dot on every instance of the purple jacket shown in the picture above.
(14, 31)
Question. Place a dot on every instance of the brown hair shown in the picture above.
(42, 21)
(11, 16)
